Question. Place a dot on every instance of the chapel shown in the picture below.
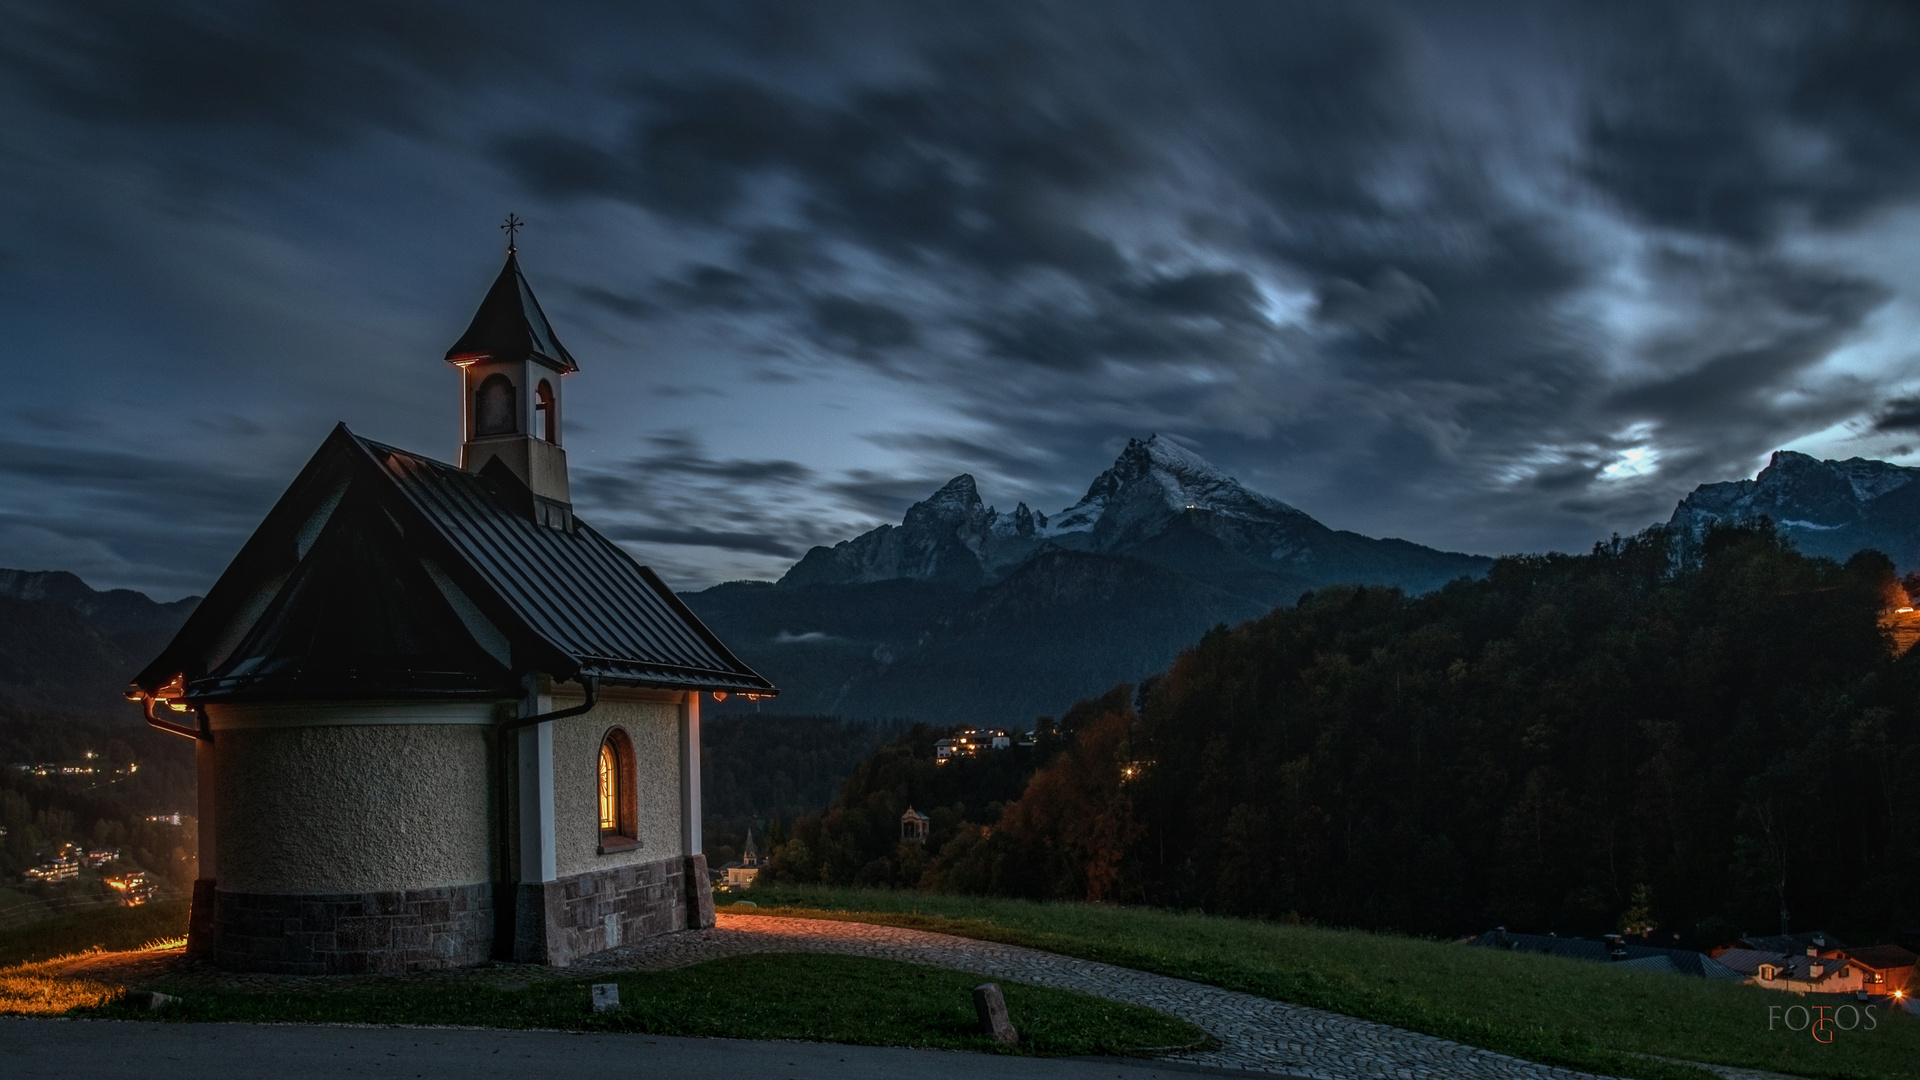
(438, 718)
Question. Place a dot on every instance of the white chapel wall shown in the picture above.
(359, 801)
(654, 727)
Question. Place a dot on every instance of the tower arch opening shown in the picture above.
(493, 407)
(546, 412)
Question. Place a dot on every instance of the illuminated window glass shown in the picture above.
(609, 789)
(618, 797)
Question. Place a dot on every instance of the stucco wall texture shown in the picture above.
(654, 728)
(350, 808)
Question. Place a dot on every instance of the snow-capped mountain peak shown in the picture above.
(1159, 502)
(1177, 479)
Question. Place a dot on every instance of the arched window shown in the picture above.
(547, 413)
(493, 407)
(619, 825)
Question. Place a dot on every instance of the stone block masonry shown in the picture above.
(559, 921)
(369, 933)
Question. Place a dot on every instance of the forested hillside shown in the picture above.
(67, 653)
(757, 769)
(1527, 749)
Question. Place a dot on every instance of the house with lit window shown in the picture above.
(439, 718)
(1819, 963)
(969, 742)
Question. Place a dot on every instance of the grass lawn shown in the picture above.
(1542, 1008)
(111, 928)
(838, 999)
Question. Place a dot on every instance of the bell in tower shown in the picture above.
(511, 371)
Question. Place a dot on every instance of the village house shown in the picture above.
(135, 888)
(439, 718)
(968, 742)
(1820, 964)
(63, 865)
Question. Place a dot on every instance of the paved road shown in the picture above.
(34, 1049)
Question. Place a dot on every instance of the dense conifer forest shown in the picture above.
(1717, 740)
(759, 769)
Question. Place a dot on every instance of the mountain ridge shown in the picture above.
(1012, 616)
(1826, 507)
(1153, 486)
(65, 644)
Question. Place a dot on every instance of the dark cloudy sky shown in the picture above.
(1491, 277)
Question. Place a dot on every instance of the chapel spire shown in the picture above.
(510, 326)
(511, 366)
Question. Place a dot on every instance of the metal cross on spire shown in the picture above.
(511, 226)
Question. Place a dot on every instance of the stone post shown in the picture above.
(992, 1007)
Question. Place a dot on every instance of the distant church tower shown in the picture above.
(438, 718)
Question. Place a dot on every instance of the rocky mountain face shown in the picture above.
(951, 538)
(1830, 508)
(66, 645)
(964, 614)
(1159, 503)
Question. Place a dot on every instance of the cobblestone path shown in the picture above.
(1254, 1032)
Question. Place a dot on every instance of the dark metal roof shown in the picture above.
(580, 592)
(1882, 957)
(510, 326)
(358, 617)
(339, 594)
(1649, 957)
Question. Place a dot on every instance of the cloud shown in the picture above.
(761, 543)
(1810, 114)
(159, 485)
(883, 495)
(1222, 294)
(1480, 280)
(859, 326)
(679, 453)
(1373, 308)
(1899, 414)
(321, 72)
(125, 519)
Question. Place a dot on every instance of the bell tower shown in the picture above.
(512, 367)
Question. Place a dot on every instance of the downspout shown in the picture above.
(504, 903)
(202, 920)
(201, 730)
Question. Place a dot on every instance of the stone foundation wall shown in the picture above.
(560, 921)
(353, 933)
